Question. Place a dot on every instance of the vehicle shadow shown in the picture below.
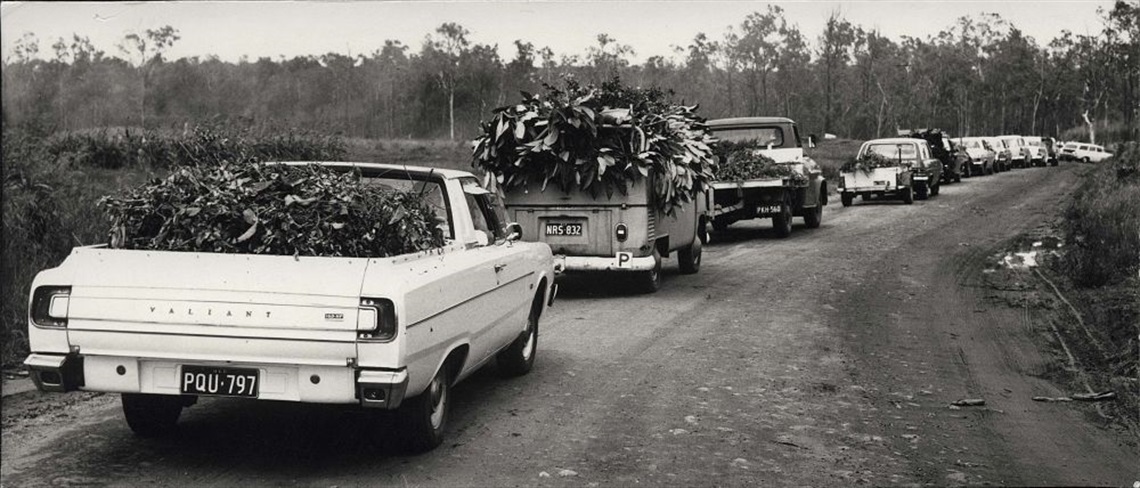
(742, 233)
(246, 439)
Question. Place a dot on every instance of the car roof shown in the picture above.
(449, 174)
(737, 122)
(895, 140)
(1008, 137)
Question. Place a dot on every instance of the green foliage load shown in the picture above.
(740, 160)
(598, 139)
(305, 210)
(868, 162)
(1102, 222)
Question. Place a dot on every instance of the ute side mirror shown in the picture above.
(514, 231)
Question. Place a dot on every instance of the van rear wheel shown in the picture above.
(650, 281)
(689, 258)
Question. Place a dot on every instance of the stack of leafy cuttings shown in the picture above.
(868, 162)
(598, 140)
(742, 160)
(307, 210)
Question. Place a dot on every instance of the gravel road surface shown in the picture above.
(828, 358)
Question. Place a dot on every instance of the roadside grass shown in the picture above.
(1101, 265)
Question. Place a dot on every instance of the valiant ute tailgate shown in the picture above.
(214, 306)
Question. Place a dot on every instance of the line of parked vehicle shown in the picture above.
(916, 164)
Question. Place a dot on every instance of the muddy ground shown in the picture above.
(831, 357)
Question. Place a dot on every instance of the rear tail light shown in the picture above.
(621, 232)
(49, 306)
(376, 319)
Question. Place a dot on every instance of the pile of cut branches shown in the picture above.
(598, 140)
(271, 209)
(741, 160)
(868, 162)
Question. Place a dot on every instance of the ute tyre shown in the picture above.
(518, 358)
(908, 195)
(650, 281)
(783, 222)
(847, 199)
(424, 417)
(922, 193)
(814, 216)
(689, 258)
(152, 415)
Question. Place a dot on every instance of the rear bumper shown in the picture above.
(619, 262)
(384, 389)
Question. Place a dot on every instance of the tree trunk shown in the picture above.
(451, 109)
(1092, 129)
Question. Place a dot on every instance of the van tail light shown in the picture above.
(376, 319)
(621, 232)
(49, 306)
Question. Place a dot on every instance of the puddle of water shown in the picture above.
(1029, 254)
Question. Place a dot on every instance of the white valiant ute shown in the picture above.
(163, 328)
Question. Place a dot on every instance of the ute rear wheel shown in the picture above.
(814, 216)
(847, 199)
(152, 415)
(425, 415)
(689, 258)
(518, 358)
(783, 221)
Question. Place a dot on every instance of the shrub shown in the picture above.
(868, 162)
(598, 139)
(1102, 222)
(271, 209)
(739, 160)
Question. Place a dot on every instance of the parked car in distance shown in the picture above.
(1003, 157)
(915, 173)
(1085, 153)
(1037, 152)
(982, 157)
(1018, 153)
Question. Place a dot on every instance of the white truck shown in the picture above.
(163, 328)
(777, 198)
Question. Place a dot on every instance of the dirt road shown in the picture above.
(828, 358)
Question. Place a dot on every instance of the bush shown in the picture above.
(868, 162)
(598, 139)
(1102, 222)
(271, 209)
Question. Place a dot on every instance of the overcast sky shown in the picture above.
(255, 29)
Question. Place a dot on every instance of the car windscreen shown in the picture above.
(894, 151)
(761, 136)
(972, 143)
(431, 191)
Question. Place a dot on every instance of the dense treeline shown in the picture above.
(981, 75)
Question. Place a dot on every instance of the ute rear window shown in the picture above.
(894, 151)
(761, 136)
(431, 191)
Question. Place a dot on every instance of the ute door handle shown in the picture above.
(499, 267)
